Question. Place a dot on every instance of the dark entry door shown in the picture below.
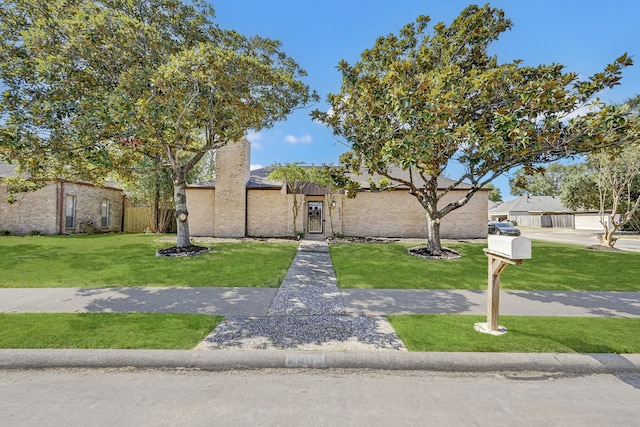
(314, 224)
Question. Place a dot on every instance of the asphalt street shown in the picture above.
(315, 398)
(626, 242)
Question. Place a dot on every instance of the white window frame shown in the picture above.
(70, 211)
(105, 213)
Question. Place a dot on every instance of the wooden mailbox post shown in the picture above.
(501, 251)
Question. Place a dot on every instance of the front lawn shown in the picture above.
(554, 266)
(105, 330)
(525, 334)
(122, 260)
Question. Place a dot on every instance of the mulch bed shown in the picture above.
(348, 239)
(183, 251)
(424, 252)
(604, 248)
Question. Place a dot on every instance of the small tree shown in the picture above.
(335, 181)
(295, 177)
(615, 178)
(494, 193)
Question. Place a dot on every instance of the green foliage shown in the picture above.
(544, 181)
(17, 184)
(295, 177)
(419, 100)
(494, 193)
(105, 330)
(35, 233)
(94, 86)
(5, 232)
(580, 191)
(617, 178)
(526, 334)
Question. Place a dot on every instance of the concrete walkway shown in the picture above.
(307, 313)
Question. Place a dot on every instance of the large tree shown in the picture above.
(93, 85)
(545, 181)
(422, 99)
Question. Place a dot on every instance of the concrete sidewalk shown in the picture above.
(357, 302)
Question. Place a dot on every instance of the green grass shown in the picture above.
(554, 266)
(526, 334)
(105, 330)
(122, 260)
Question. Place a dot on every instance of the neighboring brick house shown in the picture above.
(62, 207)
(241, 203)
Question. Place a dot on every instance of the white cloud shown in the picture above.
(254, 137)
(255, 166)
(304, 139)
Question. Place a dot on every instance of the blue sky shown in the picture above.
(583, 35)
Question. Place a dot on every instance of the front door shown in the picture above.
(314, 224)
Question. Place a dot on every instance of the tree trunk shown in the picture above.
(607, 238)
(433, 235)
(156, 209)
(182, 215)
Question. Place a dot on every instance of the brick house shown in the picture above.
(241, 203)
(62, 207)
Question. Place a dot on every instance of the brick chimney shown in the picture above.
(232, 175)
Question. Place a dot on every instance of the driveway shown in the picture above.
(626, 242)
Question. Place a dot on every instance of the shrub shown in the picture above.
(5, 232)
(35, 233)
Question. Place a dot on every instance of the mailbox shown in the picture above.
(509, 247)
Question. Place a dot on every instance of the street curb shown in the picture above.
(218, 360)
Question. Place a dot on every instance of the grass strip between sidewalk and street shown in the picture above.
(525, 334)
(126, 260)
(554, 266)
(105, 330)
(435, 333)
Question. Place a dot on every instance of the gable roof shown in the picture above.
(535, 204)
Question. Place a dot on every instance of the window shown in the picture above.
(106, 217)
(70, 211)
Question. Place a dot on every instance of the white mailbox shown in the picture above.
(510, 247)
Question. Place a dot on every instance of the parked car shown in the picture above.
(502, 228)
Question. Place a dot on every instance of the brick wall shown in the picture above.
(232, 174)
(42, 209)
(33, 211)
(201, 205)
(398, 214)
(268, 213)
(89, 208)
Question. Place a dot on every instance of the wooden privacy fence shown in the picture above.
(142, 219)
(554, 221)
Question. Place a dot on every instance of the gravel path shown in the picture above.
(307, 313)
